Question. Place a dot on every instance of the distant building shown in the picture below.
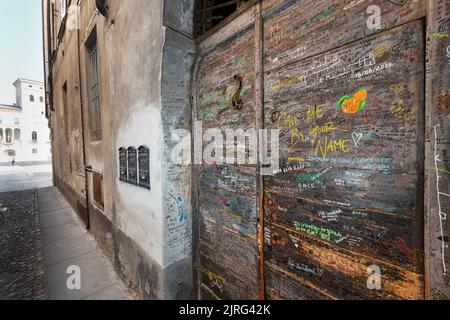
(24, 132)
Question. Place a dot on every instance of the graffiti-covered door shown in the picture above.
(344, 214)
(227, 218)
(343, 82)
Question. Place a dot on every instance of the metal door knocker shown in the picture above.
(236, 99)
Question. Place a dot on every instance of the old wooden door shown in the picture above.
(343, 216)
(227, 202)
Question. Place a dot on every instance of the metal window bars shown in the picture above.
(95, 124)
(209, 13)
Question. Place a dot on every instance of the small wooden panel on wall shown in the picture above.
(97, 186)
(345, 198)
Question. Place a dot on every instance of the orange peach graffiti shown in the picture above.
(351, 105)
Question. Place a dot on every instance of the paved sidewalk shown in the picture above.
(66, 243)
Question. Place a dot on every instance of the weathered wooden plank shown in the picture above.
(221, 264)
(281, 286)
(227, 242)
(297, 30)
(241, 23)
(337, 273)
(228, 229)
(387, 237)
(216, 85)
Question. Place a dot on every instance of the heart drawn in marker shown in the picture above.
(356, 138)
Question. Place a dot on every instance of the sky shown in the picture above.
(20, 45)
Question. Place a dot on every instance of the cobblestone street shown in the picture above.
(22, 268)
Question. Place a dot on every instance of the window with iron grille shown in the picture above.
(92, 74)
(209, 13)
